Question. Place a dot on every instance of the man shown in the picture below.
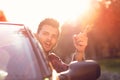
(48, 34)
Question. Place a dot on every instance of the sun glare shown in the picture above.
(69, 10)
(36, 10)
(90, 10)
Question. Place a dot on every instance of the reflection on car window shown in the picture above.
(16, 56)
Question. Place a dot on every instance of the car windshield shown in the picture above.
(17, 59)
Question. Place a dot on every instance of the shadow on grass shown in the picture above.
(112, 65)
(110, 69)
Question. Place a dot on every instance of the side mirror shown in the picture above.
(85, 70)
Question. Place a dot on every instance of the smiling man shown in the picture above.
(48, 35)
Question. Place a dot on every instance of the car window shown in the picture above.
(17, 59)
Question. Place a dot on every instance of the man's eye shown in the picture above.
(45, 33)
(54, 36)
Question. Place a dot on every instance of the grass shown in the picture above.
(111, 65)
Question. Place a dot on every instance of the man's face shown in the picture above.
(48, 37)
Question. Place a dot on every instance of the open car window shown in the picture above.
(17, 58)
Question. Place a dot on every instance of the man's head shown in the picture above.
(48, 33)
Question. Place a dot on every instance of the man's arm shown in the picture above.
(80, 42)
(78, 56)
(57, 63)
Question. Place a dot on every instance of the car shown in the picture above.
(20, 54)
(22, 58)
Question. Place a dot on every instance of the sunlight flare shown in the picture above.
(36, 10)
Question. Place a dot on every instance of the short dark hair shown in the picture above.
(48, 21)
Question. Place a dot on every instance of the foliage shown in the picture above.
(103, 38)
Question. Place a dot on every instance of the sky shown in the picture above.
(31, 12)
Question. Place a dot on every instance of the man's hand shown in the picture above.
(80, 42)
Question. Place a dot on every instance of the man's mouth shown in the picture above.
(47, 45)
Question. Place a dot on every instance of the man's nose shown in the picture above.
(49, 37)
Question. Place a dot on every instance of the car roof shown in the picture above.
(12, 23)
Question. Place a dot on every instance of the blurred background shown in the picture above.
(102, 16)
(104, 39)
